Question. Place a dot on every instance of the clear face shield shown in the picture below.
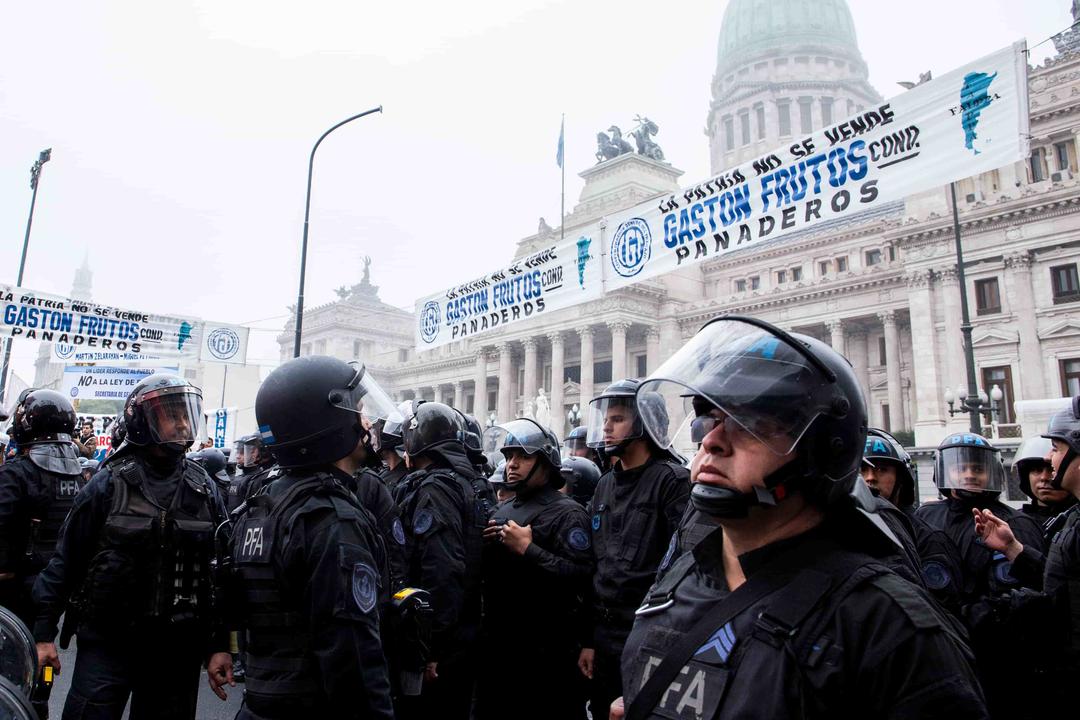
(611, 421)
(363, 395)
(521, 434)
(759, 385)
(173, 414)
(974, 469)
(252, 455)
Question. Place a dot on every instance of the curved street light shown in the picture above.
(307, 211)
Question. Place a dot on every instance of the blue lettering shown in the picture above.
(670, 224)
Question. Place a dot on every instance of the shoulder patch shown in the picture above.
(398, 532)
(364, 586)
(422, 521)
(578, 538)
(596, 522)
(936, 575)
(670, 554)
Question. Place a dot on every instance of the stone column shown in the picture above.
(558, 371)
(1022, 303)
(836, 336)
(529, 390)
(618, 349)
(858, 354)
(929, 421)
(955, 370)
(437, 393)
(586, 334)
(892, 369)
(652, 349)
(459, 396)
(506, 369)
(418, 393)
(480, 408)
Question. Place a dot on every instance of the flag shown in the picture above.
(559, 153)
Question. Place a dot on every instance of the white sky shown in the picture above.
(181, 132)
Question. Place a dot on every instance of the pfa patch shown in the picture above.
(935, 575)
(364, 586)
(398, 532)
(422, 522)
(578, 539)
(596, 522)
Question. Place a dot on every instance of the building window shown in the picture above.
(729, 133)
(987, 297)
(783, 111)
(602, 371)
(885, 424)
(356, 348)
(573, 373)
(781, 277)
(641, 362)
(740, 286)
(806, 117)
(755, 282)
(305, 349)
(1070, 377)
(826, 111)
(1065, 283)
(873, 257)
(759, 111)
(841, 264)
(744, 126)
(881, 350)
(493, 403)
(1062, 154)
(892, 253)
(1002, 377)
(796, 274)
(1038, 169)
(470, 404)
(824, 268)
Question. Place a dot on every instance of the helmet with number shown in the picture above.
(1065, 427)
(789, 392)
(531, 438)
(212, 461)
(315, 410)
(883, 449)
(434, 425)
(582, 476)
(42, 416)
(614, 421)
(163, 410)
(1031, 455)
(969, 465)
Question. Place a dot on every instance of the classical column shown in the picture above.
(929, 421)
(480, 408)
(530, 370)
(558, 371)
(836, 335)
(437, 393)
(586, 334)
(618, 349)
(505, 411)
(858, 354)
(955, 370)
(892, 369)
(652, 349)
(1022, 303)
(459, 396)
(418, 393)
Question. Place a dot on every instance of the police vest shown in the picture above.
(279, 653)
(53, 497)
(152, 561)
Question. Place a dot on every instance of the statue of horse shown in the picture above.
(643, 137)
(618, 141)
(605, 149)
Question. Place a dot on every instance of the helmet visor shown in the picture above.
(575, 444)
(173, 415)
(974, 469)
(769, 386)
(363, 396)
(521, 434)
(611, 421)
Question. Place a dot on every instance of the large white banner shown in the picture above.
(969, 121)
(101, 382)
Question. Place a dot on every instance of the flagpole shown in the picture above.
(562, 166)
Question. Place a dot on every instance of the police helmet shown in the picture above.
(18, 665)
(254, 452)
(314, 410)
(117, 432)
(609, 413)
(968, 464)
(532, 438)
(164, 410)
(473, 439)
(1031, 455)
(1065, 427)
(882, 448)
(433, 425)
(582, 476)
(499, 476)
(212, 461)
(42, 416)
(576, 438)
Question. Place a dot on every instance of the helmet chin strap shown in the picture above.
(724, 502)
(1059, 476)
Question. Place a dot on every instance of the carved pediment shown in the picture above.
(1062, 329)
(992, 336)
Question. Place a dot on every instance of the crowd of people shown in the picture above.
(360, 558)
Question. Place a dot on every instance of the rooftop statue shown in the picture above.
(643, 137)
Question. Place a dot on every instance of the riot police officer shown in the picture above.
(635, 510)
(1035, 476)
(784, 611)
(581, 477)
(577, 447)
(444, 517)
(537, 561)
(212, 461)
(258, 465)
(311, 572)
(37, 489)
(388, 434)
(132, 568)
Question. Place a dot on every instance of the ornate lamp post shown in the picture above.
(977, 404)
(573, 416)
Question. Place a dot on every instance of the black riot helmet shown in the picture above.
(532, 438)
(581, 476)
(18, 666)
(575, 440)
(212, 461)
(432, 426)
(1031, 455)
(254, 452)
(883, 449)
(789, 392)
(163, 410)
(614, 421)
(968, 464)
(42, 416)
(1065, 427)
(473, 440)
(314, 410)
(117, 433)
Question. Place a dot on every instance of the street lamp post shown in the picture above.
(35, 174)
(307, 211)
(979, 403)
(573, 416)
(973, 401)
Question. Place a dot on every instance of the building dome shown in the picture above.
(759, 27)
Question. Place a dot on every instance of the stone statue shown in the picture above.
(529, 413)
(643, 137)
(367, 271)
(544, 228)
(543, 409)
(611, 147)
(343, 292)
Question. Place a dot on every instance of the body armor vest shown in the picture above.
(52, 496)
(152, 562)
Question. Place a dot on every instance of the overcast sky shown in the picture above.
(181, 132)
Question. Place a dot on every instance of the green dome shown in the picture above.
(755, 27)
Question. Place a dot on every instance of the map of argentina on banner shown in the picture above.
(224, 343)
(550, 279)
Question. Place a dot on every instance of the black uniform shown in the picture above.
(311, 576)
(255, 479)
(444, 519)
(33, 504)
(133, 568)
(373, 495)
(634, 514)
(835, 634)
(392, 478)
(941, 566)
(533, 610)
